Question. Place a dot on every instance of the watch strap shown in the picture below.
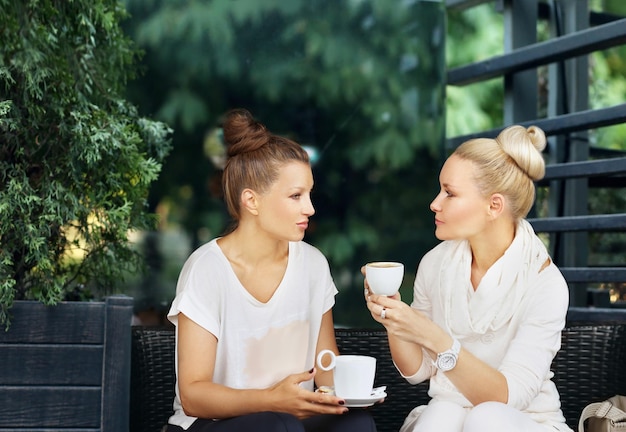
(452, 352)
(456, 347)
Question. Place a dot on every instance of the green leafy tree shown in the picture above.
(76, 159)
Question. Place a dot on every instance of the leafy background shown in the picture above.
(358, 81)
(76, 159)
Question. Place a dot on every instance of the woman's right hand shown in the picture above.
(288, 396)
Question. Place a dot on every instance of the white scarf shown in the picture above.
(494, 302)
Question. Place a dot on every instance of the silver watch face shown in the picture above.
(446, 361)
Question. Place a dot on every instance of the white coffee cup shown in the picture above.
(384, 277)
(353, 375)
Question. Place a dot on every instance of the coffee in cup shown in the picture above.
(384, 277)
(353, 375)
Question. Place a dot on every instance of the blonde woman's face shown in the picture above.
(461, 211)
(285, 209)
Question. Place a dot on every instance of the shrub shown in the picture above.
(76, 159)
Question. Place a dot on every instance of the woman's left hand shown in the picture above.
(399, 319)
(387, 310)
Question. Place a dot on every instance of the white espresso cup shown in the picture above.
(384, 277)
(353, 375)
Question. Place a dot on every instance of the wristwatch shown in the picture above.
(447, 360)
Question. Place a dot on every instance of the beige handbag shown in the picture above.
(607, 416)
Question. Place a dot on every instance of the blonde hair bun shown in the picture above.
(524, 146)
(508, 164)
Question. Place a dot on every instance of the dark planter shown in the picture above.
(66, 367)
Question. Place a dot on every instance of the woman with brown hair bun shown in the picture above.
(488, 302)
(254, 306)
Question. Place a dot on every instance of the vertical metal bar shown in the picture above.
(520, 88)
(568, 91)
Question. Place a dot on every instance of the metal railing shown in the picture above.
(574, 167)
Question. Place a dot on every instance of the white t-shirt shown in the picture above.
(259, 343)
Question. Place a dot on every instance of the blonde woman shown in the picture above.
(488, 304)
(254, 306)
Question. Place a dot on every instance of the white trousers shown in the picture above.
(443, 416)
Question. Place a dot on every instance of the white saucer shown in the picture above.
(378, 393)
(366, 402)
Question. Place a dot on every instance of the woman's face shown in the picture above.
(461, 211)
(285, 209)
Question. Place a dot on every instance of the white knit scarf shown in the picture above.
(501, 288)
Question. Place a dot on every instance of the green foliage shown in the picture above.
(474, 35)
(76, 160)
(361, 81)
(339, 56)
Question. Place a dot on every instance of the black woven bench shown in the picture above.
(590, 367)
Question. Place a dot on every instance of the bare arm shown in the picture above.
(326, 340)
(409, 330)
(201, 397)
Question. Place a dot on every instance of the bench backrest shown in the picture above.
(588, 368)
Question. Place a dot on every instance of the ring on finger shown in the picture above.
(383, 313)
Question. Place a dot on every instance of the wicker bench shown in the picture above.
(590, 367)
